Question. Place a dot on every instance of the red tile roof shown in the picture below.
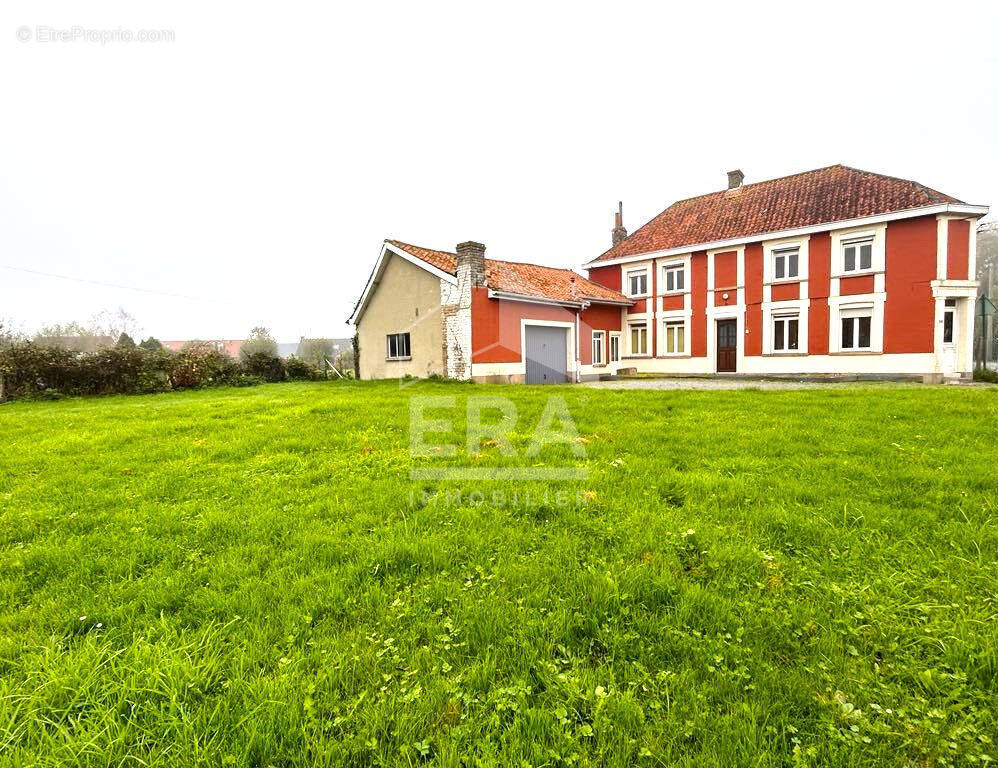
(524, 279)
(826, 195)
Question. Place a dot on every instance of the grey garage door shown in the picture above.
(547, 354)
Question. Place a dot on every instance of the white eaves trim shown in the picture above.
(387, 250)
(953, 208)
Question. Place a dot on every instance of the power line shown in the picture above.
(112, 285)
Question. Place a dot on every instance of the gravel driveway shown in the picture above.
(722, 383)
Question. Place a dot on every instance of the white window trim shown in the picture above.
(785, 254)
(769, 249)
(878, 255)
(388, 355)
(855, 315)
(771, 310)
(626, 282)
(684, 264)
(839, 306)
(609, 348)
(631, 352)
(785, 317)
(601, 337)
(680, 320)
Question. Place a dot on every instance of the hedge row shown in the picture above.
(34, 370)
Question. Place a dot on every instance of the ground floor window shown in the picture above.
(856, 330)
(614, 347)
(785, 333)
(598, 337)
(675, 338)
(639, 338)
(398, 346)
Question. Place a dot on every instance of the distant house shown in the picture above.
(77, 343)
(337, 351)
(229, 347)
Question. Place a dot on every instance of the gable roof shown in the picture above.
(822, 196)
(520, 279)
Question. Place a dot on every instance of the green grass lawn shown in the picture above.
(249, 577)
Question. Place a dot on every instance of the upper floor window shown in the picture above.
(674, 278)
(785, 333)
(598, 337)
(786, 263)
(857, 255)
(398, 346)
(637, 282)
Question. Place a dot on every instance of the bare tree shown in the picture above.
(259, 340)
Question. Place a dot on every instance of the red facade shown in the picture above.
(910, 265)
(496, 330)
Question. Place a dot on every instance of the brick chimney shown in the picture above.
(735, 179)
(471, 261)
(457, 315)
(619, 233)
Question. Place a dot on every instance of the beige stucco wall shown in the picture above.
(406, 298)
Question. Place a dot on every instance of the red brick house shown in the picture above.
(832, 271)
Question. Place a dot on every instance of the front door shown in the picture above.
(949, 338)
(727, 346)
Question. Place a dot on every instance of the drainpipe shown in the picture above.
(578, 344)
(578, 348)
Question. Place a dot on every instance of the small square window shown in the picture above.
(674, 278)
(857, 255)
(786, 264)
(398, 346)
(637, 283)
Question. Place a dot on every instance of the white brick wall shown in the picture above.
(455, 301)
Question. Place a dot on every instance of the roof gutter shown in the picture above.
(974, 211)
(525, 297)
(530, 299)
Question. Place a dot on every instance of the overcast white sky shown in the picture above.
(255, 164)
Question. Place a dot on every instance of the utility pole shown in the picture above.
(989, 321)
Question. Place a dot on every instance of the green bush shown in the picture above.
(199, 364)
(32, 370)
(265, 365)
(297, 369)
(109, 370)
(986, 375)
